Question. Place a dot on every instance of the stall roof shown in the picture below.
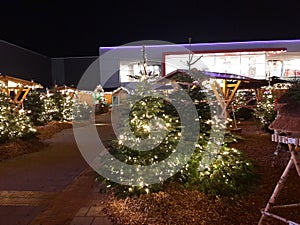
(288, 118)
(247, 82)
(18, 81)
(209, 74)
(288, 107)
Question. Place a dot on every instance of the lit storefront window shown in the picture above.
(252, 64)
(292, 68)
(135, 69)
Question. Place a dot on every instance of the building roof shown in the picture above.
(121, 89)
(65, 87)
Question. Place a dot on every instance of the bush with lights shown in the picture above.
(14, 123)
(265, 111)
(242, 105)
(229, 174)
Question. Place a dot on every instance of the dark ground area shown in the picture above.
(172, 206)
(178, 206)
(45, 181)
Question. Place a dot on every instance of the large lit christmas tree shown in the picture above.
(227, 172)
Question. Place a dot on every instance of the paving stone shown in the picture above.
(102, 221)
(78, 220)
(18, 215)
(26, 198)
(95, 211)
(83, 211)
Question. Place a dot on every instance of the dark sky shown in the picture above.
(79, 28)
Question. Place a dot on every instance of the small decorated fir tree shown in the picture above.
(53, 103)
(14, 123)
(35, 106)
(265, 111)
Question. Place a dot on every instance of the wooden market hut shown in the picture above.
(286, 128)
(108, 97)
(288, 117)
(228, 86)
(224, 90)
(67, 90)
(17, 88)
(119, 95)
(85, 97)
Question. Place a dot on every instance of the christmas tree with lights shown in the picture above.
(35, 106)
(152, 116)
(265, 111)
(14, 123)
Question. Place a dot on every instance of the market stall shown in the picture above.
(286, 128)
(17, 88)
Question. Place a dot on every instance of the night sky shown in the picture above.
(79, 28)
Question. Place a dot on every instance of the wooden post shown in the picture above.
(19, 92)
(280, 184)
(216, 89)
(23, 97)
(5, 89)
(224, 88)
(230, 98)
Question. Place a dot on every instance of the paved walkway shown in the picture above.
(54, 186)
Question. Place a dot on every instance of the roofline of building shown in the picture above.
(25, 49)
(72, 57)
(186, 45)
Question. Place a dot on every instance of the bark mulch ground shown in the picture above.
(177, 206)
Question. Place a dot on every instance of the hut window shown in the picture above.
(115, 100)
